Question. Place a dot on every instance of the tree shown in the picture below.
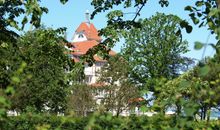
(205, 12)
(192, 93)
(81, 100)
(118, 87)
(154, 50)
(76, 75)
(10, 10)
(42, 85)
(29, 10)
(208, 71)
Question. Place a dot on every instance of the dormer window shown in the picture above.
(80, 36)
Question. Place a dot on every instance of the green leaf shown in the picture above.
(15, 79)
(189, 111)
(195, 20)
(4, 44)
(44, 9)
(10, 90)
(189, 29)
(143, 108)
(184, 24)
(13, 23)
(199, 3)
(204, 70)
(211, 24)
(184, 83)
(2, 1)
(2, 100)
(144, 92)
(63, 1)
(198, 45)
(212, 93)
(24, 21)
(188, 8)
(2, 112)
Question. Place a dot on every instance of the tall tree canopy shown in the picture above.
(42, 85)
(10, 11)
(154, 49)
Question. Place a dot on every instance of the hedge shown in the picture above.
(30, 121)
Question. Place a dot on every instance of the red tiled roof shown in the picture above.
(98, 85)
(136, 100)
(89, 30)
(80, 48)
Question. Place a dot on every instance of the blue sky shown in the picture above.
(72, 14)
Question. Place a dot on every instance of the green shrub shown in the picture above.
(30, 121)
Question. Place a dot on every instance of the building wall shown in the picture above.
(91, 72)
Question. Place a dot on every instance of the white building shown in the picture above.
(84, 38)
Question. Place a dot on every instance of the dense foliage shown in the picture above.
(99, 122)
(33, 66)
(42, 84)
(155, 49)
(10, 66)
(118, 88)
(80, 101)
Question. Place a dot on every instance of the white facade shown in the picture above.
(91, 72)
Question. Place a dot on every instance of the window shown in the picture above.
(80, 36)
(88, 79)
(99, 64)
(70, 56)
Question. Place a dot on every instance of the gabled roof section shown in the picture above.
(89, 30)
(80, 48)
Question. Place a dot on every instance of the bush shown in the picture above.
(31, 121)
(38, 121)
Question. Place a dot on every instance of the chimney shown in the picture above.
(87, 17)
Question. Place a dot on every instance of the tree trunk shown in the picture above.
(118, 112)
(218, 3)
(204, 113)
(201, 113)
(178, 107)
(208, 114)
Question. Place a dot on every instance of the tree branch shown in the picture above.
(138, 12)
